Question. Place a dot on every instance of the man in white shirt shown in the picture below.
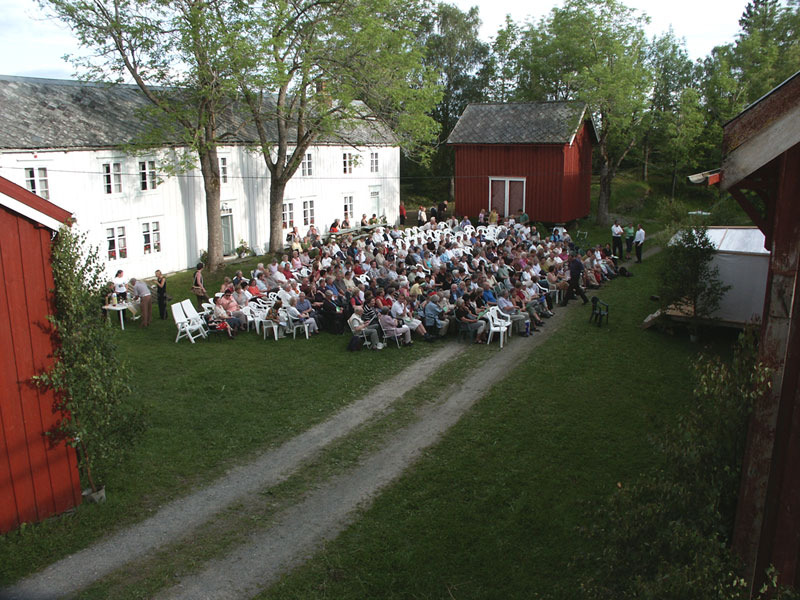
(638, 242)
(616, 239)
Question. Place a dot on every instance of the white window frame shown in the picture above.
(36, 181)
(347, 162)
(112, 177)
(288, 214)
(374, 162)
(116, 242)
(508, 181)
(307, 165)
(223, 169)
(348, 202)
(308, 212)
(151, 237)
(148, 176)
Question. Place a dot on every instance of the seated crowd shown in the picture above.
(428, 281)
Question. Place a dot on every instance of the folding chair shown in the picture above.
(186, 328)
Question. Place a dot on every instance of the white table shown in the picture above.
(120, 307)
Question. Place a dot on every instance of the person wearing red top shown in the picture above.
(402, 213)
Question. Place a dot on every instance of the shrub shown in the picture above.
(667, 535)
(91, 384)
(688, 282)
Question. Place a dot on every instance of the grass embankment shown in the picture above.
(493, 511)
(211, 404)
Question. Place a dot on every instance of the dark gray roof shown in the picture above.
(55, 113)
(519, 123)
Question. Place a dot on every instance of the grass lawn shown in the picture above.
(493, 511)
(210, 405)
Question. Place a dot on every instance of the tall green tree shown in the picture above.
(672, 73)
(456, 56)
(595, 51)
(337, 70)
(174, 53)
(503, 63)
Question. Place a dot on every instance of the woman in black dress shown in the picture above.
(161, 294)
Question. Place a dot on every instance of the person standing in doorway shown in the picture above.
(638, 242)
(161, 295)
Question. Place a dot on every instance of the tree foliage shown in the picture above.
(329, 71)
(593, 51)
(667, 535)
(177, 56)
(92, 386)
(688, 281)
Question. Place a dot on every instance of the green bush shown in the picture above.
(668, 534)
(91, 383)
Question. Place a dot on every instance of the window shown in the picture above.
(147, 175)
(112, 177)
(348, 206)
(117, 247)
(375, 198)
(288, 215)
(36, 181)
(223, 170)
(305, 166)
(308, 212)
(151, 235)
(374, 165)
(347, 160)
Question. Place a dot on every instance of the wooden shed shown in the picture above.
(761, 169)
(37, 479)
(534, 156)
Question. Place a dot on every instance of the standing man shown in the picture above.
(141, 291)
(616, 239)
(575, 272)
(638, 241)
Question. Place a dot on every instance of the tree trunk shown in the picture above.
(276, 231)
(606, 175)
(646, 160)
(674, 181)
(209, 166)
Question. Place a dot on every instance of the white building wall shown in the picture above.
(76, 182)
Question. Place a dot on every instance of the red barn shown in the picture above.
(37, 480)
(534, 156)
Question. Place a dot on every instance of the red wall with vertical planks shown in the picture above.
(37, 479)
(557, 177)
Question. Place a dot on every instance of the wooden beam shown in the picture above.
(752, 212)
(773, 140)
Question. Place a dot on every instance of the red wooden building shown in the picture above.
(534, 156)
(37, 479)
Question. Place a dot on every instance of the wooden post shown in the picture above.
(767, 527)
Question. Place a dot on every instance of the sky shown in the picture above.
(32, 45)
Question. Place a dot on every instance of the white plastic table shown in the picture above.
(120, 307)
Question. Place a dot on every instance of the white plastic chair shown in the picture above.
(362, 334)
(296, 324)
(553, 290)
(191, 313)
(387, 336)
(186, 328)
(497, 324)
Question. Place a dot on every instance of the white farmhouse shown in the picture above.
(64, 141)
